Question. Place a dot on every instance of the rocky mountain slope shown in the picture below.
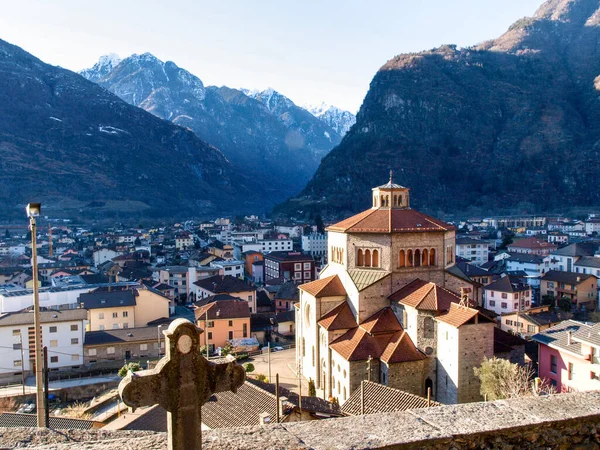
(338, 119)
(512, 124)
(81, 150)
(263, 134)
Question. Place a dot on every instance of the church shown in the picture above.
(386, 307)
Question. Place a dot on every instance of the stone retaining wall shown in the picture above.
(563, 421)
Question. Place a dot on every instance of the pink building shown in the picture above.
(569, 356)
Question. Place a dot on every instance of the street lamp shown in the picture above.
(33, 210)
(158, 332)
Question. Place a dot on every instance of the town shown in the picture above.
(387, 310)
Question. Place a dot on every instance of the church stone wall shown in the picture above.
(408, 376)
(476, 342)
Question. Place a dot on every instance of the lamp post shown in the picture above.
(33, 211)
(158, 332)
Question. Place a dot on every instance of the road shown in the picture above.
(10, 391)
(283, 363)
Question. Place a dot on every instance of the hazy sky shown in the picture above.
(309, 50)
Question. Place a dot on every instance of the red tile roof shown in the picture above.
(378, 221)
(401, 349)
(339, 318)
(533, 243)
(458, 315)
(325, 287)
(425, 296)
(383, 321)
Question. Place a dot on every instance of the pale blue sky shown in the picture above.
(309, 50)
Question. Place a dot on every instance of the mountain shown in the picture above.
(104, 65)
(338, 119)
(510, 125)
(84, 152)
(263, 134)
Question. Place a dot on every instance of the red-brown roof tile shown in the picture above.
(458, 315)
(325, 287)
(425, 296)
(383, 321)
(339, 318)
(377, 220)
(401, 349)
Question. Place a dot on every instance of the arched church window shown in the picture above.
(395, 200)
(375, 258)
(417, 258)
(401, 258)
(400, 200)
(425, 257)
(409, 258)
(367, 258)
(360, 260)
(432, 257)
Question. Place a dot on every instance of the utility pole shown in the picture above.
(46, 393)
(300, 387)
(158, 334)
(22, 361)
(33, 210)
(369, 368)
(269, 359)
(206, 330)
(50, 253)
(277, 395)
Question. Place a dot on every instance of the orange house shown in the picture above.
(251, 257)
(223, 318)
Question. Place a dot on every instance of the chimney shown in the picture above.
(264, 418)
(282, 400)
(569, 336)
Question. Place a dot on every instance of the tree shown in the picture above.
(137, 241)
(312, 391)
(548, 300)
(133, 366)
(249, 367)
(506, 241)
(319, 223)
(227, 349)
(262, 377)
(502, 379)
(7, 234)
(565, 304)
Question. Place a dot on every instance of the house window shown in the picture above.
(53, 343)
(245, 330)
(74, 327)
(115, 326)
(509, 322)
(504, 305)
(110, 350)
(492, 303)
(74, 357)
(92, 352)
(531, 329)
(230, 335)
(115, 315)
(306, 266)
(297, 275)
(306, 275)
(16, 332)
(101, 327)
(298, 266)
(230, 323)
(504, 295)
(52, 330)
(100, 316)
(571, 371)
(54, 359)
(143, 346)
(211, 324)
(17, 363)
(125, 313)
(516, 305)
(553, 364)
(492, 294)
(17, 346)
(210, 335)
(74, 341)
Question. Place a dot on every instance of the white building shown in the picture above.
(507, 295)
(274, 245)
(293, 231)
(104, 254)
(592, 226)
(565, 259)
(183, 241)
(234, 267)
(473, 250)
(534, 265)
(63, 332)
(315, 244)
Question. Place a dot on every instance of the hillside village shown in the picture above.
(390, 297)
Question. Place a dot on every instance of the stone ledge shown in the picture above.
(537, 422)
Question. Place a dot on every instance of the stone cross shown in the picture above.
(181, 383)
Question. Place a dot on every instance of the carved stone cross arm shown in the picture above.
(181, 383)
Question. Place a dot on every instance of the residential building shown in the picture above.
(175, 276)
(473, 250)
(315, 244)
(184, 240)
(225, 284)
(569, 356)
(287, 295)
(564, 259)
(475, 273)
(352, 318)
(294, 266)
(124, 344)
(506, 295)
(592, 226)
(588, 264)
(233, 267)
(223, 319)
(580, 289)
(102, 255)
(532, 245)
(276, 245)
(516, 221)
(531, 322)
(62, 333)
(534, 265)
(558, 238)
(108, 310)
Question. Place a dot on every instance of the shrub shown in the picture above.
(249, 367)
(312, 390)
(133, 366)
(262, 377)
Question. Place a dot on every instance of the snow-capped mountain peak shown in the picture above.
(105, 65)
(338, 119)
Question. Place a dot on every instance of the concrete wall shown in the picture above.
(150, 306)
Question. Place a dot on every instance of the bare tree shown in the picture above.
(501, 379)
